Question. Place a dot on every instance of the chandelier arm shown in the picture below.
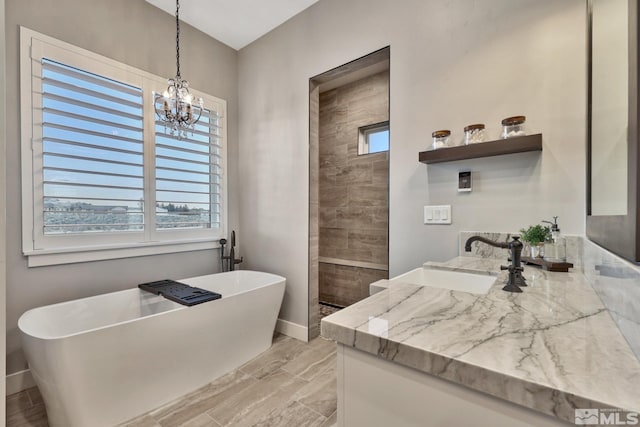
(156, 98)
(194, 121)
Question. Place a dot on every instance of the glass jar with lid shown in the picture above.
(441, 138)
(513, 126)
(474, 134)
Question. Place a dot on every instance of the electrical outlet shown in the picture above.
(437, 214)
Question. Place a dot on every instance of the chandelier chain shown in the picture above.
(178, 38)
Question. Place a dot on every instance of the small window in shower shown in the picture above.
(373, 138)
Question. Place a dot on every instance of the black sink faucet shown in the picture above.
(515, 269)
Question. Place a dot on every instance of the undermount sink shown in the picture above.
(447, 279)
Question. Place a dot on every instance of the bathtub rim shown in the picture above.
(275, 278)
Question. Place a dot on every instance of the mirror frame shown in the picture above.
(618, 233)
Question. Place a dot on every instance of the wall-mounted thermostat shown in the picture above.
(464, 182)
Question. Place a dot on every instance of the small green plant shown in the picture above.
(536, 234)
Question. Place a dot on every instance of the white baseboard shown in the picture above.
(293, 330)
(19, 381)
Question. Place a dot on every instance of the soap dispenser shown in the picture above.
(555, 251)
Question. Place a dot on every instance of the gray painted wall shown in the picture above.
(140, 35)
(453, 62)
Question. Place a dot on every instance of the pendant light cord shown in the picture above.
(178, 37)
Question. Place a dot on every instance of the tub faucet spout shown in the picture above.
(229, 262)
(233, 261)
(515, 269)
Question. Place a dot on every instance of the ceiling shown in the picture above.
(235, 23)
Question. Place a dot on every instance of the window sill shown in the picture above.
(40, 258)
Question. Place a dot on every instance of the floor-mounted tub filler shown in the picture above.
(102, 360)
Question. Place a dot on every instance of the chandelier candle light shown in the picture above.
(178, 107)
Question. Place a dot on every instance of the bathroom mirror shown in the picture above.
(609, 106)
(612, 211)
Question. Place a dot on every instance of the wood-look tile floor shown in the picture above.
(291, 384)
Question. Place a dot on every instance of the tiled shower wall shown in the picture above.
(354, 192)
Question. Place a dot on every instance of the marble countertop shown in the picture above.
(552, 348)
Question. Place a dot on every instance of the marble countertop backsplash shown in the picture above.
(555, 347)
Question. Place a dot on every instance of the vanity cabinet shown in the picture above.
(375, 392)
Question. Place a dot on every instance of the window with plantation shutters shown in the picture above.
(101, 176)
(92, 152)
(189, 176)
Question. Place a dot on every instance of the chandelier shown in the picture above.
(175, 106)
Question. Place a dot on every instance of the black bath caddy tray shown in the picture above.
(179, 292)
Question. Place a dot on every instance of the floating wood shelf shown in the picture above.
(519, 144)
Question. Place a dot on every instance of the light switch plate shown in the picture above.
(440, 214)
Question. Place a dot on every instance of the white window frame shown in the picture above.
(44, 249)
(363, 137)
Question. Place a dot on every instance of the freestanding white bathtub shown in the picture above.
(102, 360)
